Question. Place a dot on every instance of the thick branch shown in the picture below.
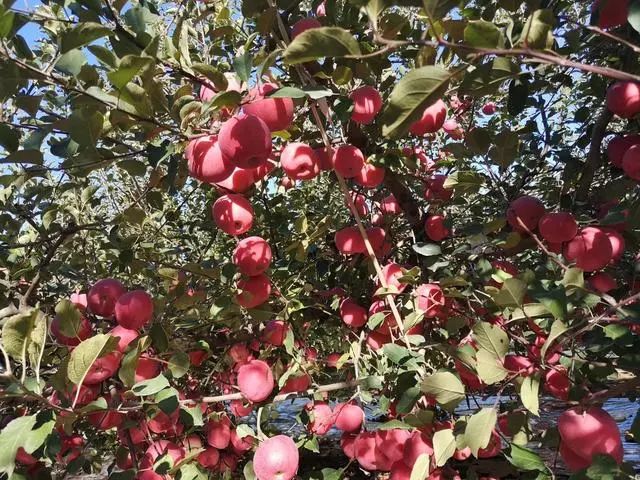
(595, 155)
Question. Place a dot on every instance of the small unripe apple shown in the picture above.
(348, 160)
(125, 336)
(430, 299)
(233, 214)
(101, 299)
(352, 314)
(254, 291)
(557, 227)
(84, 331)
(205, 160)
(602, 282)
(255, 380)
(590, 249)
(303, 25)
(631, 162)
(321, 417)
(367, 102)
(623, 99)
(134, 309)
(432, 119)
(276, 113)
(276, 458)
(245, 141)
(349, 417)
(299, 161)
(275, 332)
(527, 210)
(370, 176)
(349, 241)
(435, 228)
(218, 432)
(252, 256)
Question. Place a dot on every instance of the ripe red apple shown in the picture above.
(557, 383)
(590, 249)
(618, 146)
(163, 422)
(348, 444)
(349, 417)
(254, 291)
(392, 443)
(125, 336)
(239, 181)
(299, 161)
(378, 238)
(239, 353)
(435, 228)
(160, 448)
(83, 332)
(493, 449)
(240, 445)
(417, 444)
(209, 457)
(321, 417)
(391, 272)
(245, 141)
(435, 189)
(370, 176)
(453, 129)
(602, 282)
(106, 419)
(468, 377)
(348, 160)
(296, 383)
(276, 458)
(349, 241)
(518, 364)
(332, 360)
(79, 301)
(631, 162)
(557, 227)
(103, 368)
(303, 25)
(430, 299)
(252, 256)
(276, 113)
(528, 209)
(352, 314)
(239, 409)
(377, 339)
(365, 451)
(134, 309)
(218, 432)
(255, 380)
(432, 119)
(360, 202)
(233, 214)
(102, 297)
(205, 161)
(275, 332)
(228, 463)
(611, 13)
(400, 471)
(367, 102)
(489, 108)
(623, 98)
(325, 157)
(585, 433)
(390, 205)
(147, 368)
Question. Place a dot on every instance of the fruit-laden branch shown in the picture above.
(594, 156)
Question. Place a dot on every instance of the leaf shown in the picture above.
(444, 446)
(179, 364)
(83, 34)
(45, 422)
(150, 386)
(437, 9)
(427, 249)
(319, 43)
(23, 332)
(487, 78)
(12, 437)
(492, 338)
(128, 67)
(479, 429)
(168, 400)
(558, 327)
(414, 92)
(312, 92)
(420, 469)
(28, 156)
(489, 368)
(482, 34)
(70, 319)
(525, 459)
(574, 277)
(538, 30)
(86, 353)
(444, 386)
(396, 353)
(511, 294)
(518, 95)
(212, 74)
(555, 301)
(529, 394)
(505, 148)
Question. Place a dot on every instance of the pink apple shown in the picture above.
(590, 249)
(367, 102)
(255, 380)
(352, 314)
(101, 299)
(252, 256)
(432, 119)
(276, 113)
(349, 417)
(276, 458)
(348, 161)
(245, 141)
(299, 161)
(205, 160)
(254, 291)
(435, 228)
(303, 25)
(134, 309)
(528, 210)
(623, 98)
(233, 214)
(557, 227)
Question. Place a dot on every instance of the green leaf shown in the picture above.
(633, 17)
(86, 353)
(483, 34)
(538, 30)
(128, 67)
(319, 43)
(444, 446)
(179, 364)
(71, 62)
(437, 9)
(427, 249)
(487, 78)
(525, 459)
(445, 387)
(529, 394)
(70, 318)
(479, 429)
(464, 181)
(6, 23)
(12, 437)
(518, 95)
(23, 334)
(492, 338)
(191, 416)
(417, 90)
(168, 400)
(558, 327)
(248, 472)
(212, 74)
(511, 294)
(489, 367)
(28, 156)
(396, 353)
(39, 434)
(573, 277)
(150, 386)
(420, 469)
(505, 148)
(312, 92)
(83, 34)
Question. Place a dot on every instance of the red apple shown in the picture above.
(245, 141)
(321, 417)
(602, 282)
(367, 102)
(104, 367)
(83, 332)
(299, 161)
(430, 299)
(623, 98)
(348, 160)
(205, 161)
(218, 432)
(134, 309)
(370, 176)
(233, 214)
(349, 417)
(125, 336)
(303, 25)
(101, 299)
(275, 332)
(252, 256)
(590, 249)
(255, 380)
(352, 314)
(349, 241)
(276, 113)
(528, 210)
(147, 368)
(557, 227)
(435, 228)
(432, 119)
(254, 291)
